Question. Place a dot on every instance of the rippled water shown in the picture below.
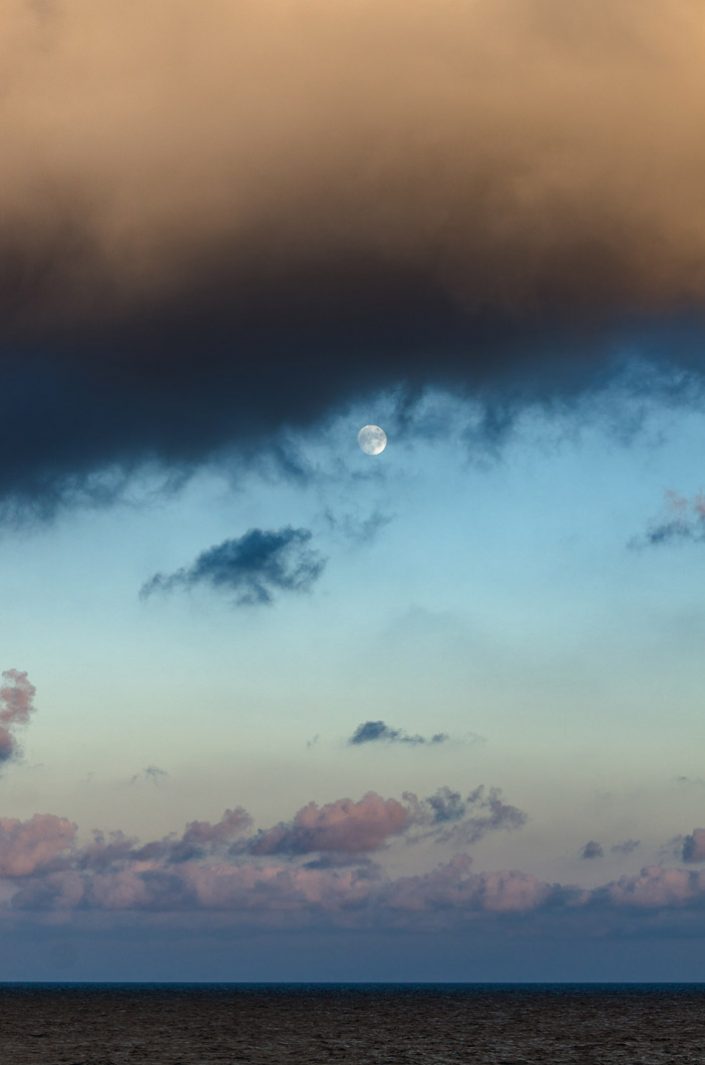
(359, 1024)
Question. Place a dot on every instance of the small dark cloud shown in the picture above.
(592, 849)
(254, 567)
(627, 846)
(376, 731)
(683, 520)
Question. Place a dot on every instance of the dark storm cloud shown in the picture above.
(254, 567)
(219, 222)
(592, 849)
(376, 731)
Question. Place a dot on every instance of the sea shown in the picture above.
(359, 1024)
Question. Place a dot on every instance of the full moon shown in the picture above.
(372, 439)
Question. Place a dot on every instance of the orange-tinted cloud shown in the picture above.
(224, 218)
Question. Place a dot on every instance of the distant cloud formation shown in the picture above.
(16, 705)
(378, 731)
(496, 227)
(592, 849)
(315, 867)
(254, 567)
(694, 846)
(684, 520)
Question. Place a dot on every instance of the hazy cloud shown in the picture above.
(376, 731)
(153, 774)
(592, 849)
(254, 567)
(694, 846)
(627, 846)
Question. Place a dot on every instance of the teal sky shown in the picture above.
(504, 596)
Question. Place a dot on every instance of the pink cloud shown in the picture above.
(29, 846)
(268, 877)
(657, 887)
(344, 825)
(16, 705)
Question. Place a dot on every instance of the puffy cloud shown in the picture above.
(267, 225)
(16, 706)
(656, 887)
(254, 567)
(375, 731)
(354, 828)
(29, 846)
(271, 880)
(345, 826)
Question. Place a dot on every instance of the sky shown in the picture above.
(276, 709)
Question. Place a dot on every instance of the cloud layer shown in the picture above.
(268, 876)
(216, 222)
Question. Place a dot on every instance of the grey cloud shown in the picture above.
(449, 817)
(254, 567)
(592, 849)
(694, 846)
(378, 731)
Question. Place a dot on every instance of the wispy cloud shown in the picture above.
(253, 568)
(626, 846)
(683, 520)
(378, 731)
(152, 774)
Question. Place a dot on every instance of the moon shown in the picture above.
(372, 439)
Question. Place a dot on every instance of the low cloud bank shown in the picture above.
(270, 877)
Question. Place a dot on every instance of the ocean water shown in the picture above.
(441, 1024)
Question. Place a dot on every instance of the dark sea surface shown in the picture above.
(385, 1024)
